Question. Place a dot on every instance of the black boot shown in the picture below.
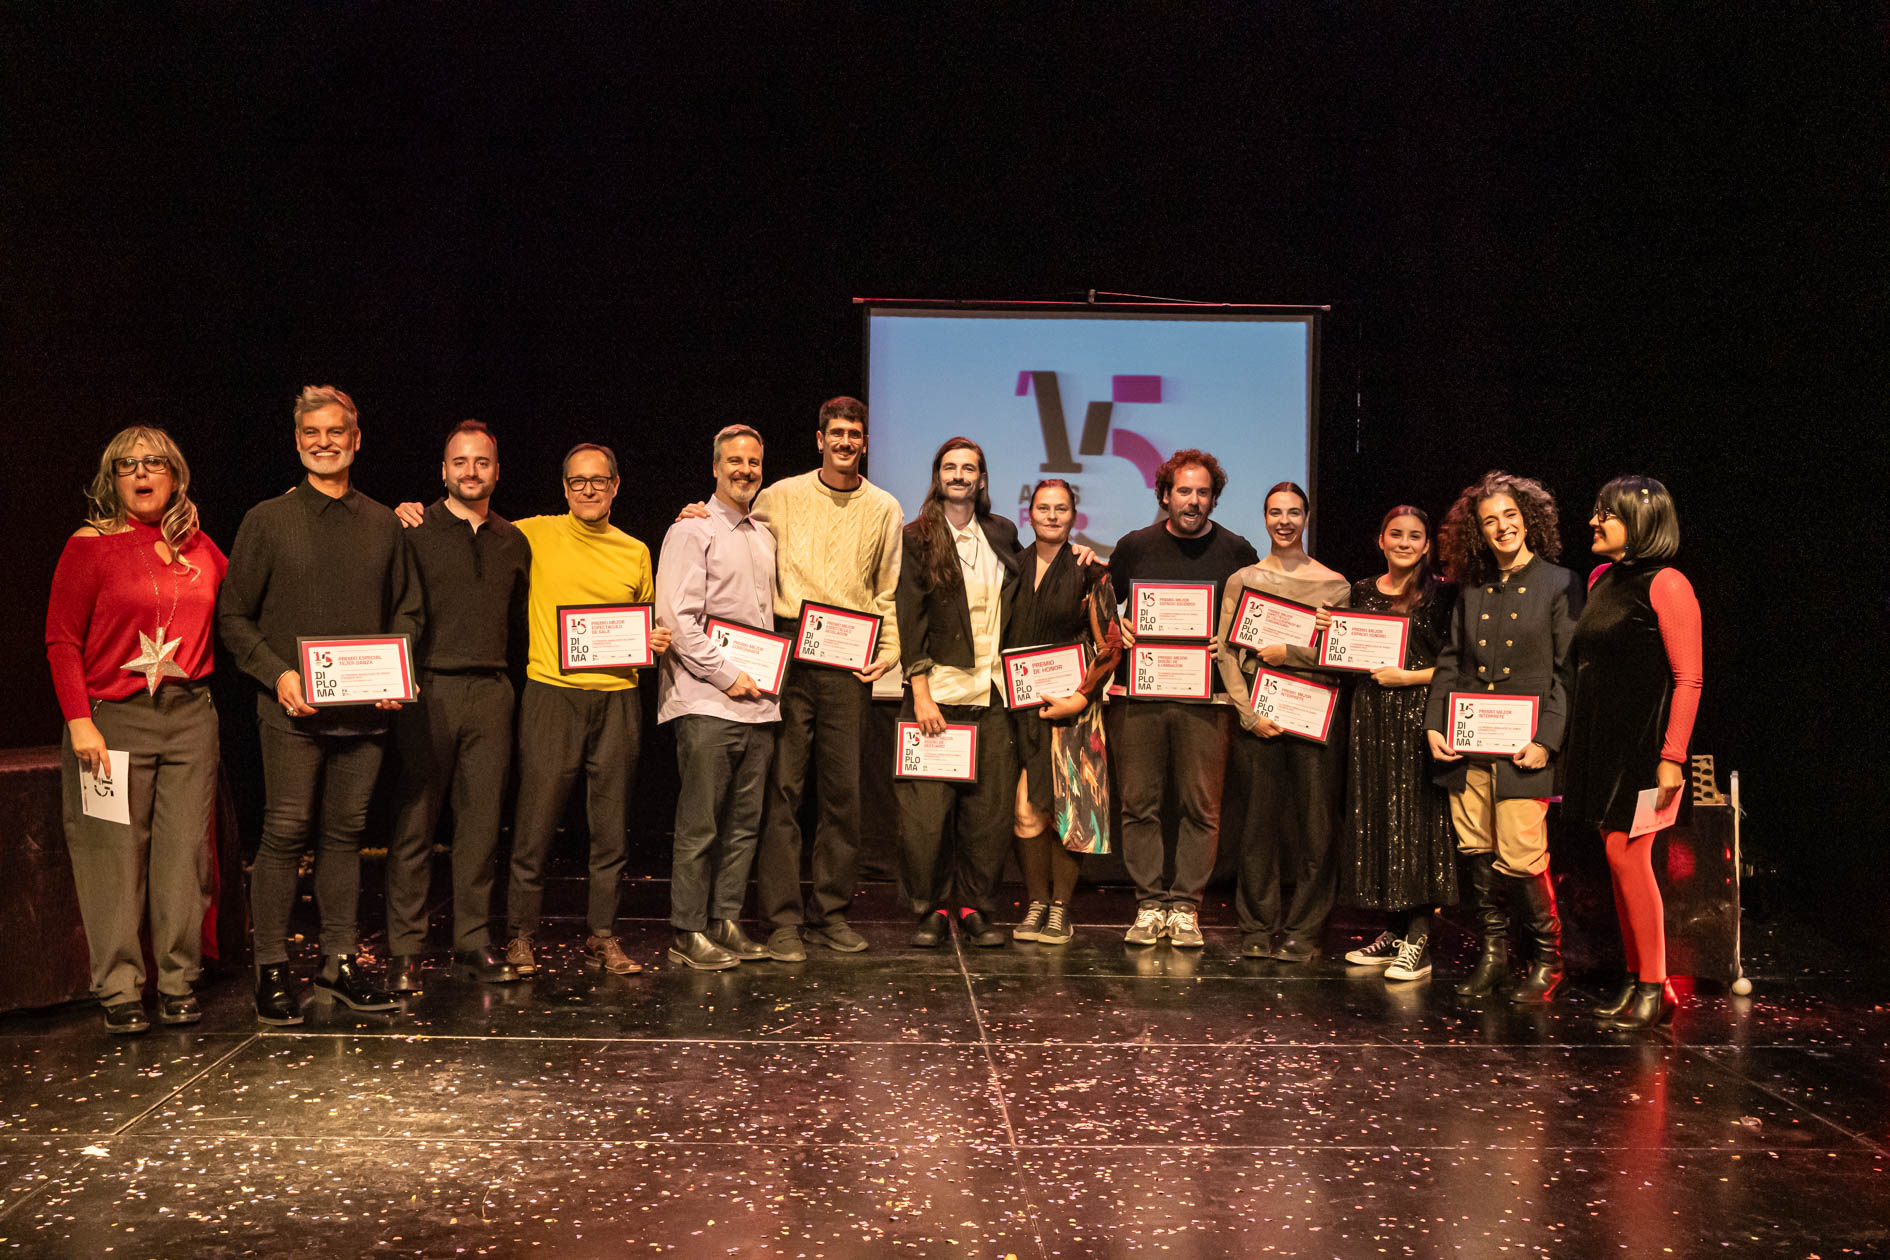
(1618, 1003)
(1537, 896)
(277, 1002)
(1652, 1004)
(695, 949)
(342, 979)
(1492, 967)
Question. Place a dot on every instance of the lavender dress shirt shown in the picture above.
(720, 565)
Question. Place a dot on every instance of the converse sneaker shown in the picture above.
(1380, 953)
(1414, 960)
(1147, 928)
(1056, 926)
(1031, 929)
(1184, 928)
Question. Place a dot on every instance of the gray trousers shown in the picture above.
(823, 712)
(564, 732)
(457, 740)
(1163, 741)
(161, 861)
(306, 774)
(954, 837)
(724, 768)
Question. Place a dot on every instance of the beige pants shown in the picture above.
(1517, 830)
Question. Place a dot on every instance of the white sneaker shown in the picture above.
(1147, 928)
(1184, 928)
(1414, 960)
(1380, 953)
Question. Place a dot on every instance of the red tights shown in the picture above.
(1637, 904)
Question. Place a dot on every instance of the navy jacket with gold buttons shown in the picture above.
(1512, 638)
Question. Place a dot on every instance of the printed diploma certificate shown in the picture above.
(1171, 671)
(952, 754)
(1365, 640)
(838, 638)
(1172, 610)
(1298, 707)
(356, 671)
(1263, 619)
(1033, 675)
(604, 636)
(1496, 726)
(760, 654)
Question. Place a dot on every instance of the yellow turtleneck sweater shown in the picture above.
(576, 563)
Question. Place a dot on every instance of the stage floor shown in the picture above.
(1089, 1100)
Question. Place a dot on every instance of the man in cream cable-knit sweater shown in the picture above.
(836, 542)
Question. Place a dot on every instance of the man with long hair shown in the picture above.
(956, 580)
(1164, 741)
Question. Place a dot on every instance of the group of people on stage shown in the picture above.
(1382, 813)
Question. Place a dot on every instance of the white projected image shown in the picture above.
(1097, 400)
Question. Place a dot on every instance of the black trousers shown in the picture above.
(564, 732)
(1160, 741)
(1292, 824)
(306, 775)
(457, 740)
(822, 714)
(724, 770)
(954, 837)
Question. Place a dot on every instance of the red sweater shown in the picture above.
(101, 598)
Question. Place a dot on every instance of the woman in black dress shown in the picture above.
(1637, 688)
(1398, 852)
(1062, 807)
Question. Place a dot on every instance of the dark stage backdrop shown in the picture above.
(1603, 239)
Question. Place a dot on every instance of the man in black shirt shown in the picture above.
(1160, 740)
(322, 560)
(474, 568)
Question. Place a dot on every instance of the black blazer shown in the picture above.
(935, 624)
(1512, 638)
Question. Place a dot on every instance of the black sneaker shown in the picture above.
(1413, 961)
(1380, 953)
(1056, 926)
(122, 1019)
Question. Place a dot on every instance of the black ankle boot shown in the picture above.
(1492, 967)
(1652, 1004)
(277, 1002)
(1618, 1003)
(1537, 896)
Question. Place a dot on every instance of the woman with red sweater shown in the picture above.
(129, 632)
(1637, 687)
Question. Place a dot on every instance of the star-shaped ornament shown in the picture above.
(154, 660)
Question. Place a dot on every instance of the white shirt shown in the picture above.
(984, 590)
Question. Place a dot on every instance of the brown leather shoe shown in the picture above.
(518, 955)
(606, 952)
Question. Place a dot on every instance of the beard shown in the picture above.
(478, 494)
(345, 462)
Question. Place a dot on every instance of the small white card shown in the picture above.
(1647, 818)
(105, 797)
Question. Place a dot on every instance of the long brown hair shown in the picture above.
(938, 557)
(1422, 585)
(1467, 557)
(108, 511)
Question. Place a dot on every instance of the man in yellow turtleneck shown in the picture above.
(577, 723)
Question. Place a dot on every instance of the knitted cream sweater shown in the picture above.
(835, 547)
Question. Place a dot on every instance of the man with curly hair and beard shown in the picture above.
(1510, 636)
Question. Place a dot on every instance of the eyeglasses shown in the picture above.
(1603, 515)
(127, 465)
(597, 485)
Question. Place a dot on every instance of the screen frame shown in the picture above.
(1216, 312)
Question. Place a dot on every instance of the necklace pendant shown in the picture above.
(154, 660)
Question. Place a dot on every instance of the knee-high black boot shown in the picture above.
(1493, 961)
(1537, 896)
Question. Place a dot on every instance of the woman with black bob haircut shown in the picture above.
(1637, 688)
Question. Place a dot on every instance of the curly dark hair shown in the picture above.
(1165, 475)
(1467, 557)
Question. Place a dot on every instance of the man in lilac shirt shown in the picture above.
(718, 565)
